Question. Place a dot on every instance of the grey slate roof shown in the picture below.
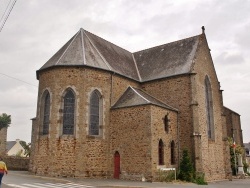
(10, 144)
(136, 97)
(247, 148)
(87, 49)
(167, 60)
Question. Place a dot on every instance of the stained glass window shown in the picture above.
(94, 113)
(69, 113)
(46, 114)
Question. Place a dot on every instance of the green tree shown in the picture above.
(26, 148)
(235, 150)
(5, 120)
(186, 168)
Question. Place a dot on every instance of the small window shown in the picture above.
(46, 114)
(161, 152)
(172, 145)
(166, 123)
(69, 113)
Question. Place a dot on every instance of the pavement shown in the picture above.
(115, 183)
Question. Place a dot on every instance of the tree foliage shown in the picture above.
(5, 120)
(234, 152)
(186, 168)
(26, 148)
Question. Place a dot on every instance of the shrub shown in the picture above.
(245, 166)
(186, 168)
(200, 179)
(166, 176)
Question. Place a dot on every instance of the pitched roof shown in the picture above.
(10, 144)
(136, 97)
(167, 60)
(87, 49)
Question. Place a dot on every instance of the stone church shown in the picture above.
(106, 112)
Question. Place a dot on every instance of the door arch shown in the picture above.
(116, 165)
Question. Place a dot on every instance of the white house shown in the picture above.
(14, 148)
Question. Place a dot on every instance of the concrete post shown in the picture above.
(240, 167)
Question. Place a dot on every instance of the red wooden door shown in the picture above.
(116, 165)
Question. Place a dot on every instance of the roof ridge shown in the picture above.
(136, 67)
(105, 61)
(83, 47)
(67, 47)
(108, 41)
(139, 94)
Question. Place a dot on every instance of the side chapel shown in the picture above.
(106, 112)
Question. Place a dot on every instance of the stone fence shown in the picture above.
(16, 163)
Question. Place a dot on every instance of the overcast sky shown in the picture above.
(36, 29)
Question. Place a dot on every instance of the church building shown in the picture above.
(105, 112)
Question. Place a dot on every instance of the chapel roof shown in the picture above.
(87, 49)
(136, 97)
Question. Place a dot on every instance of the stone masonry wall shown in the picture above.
(78, 155)
(3, 138)
(130, 135)
(233, 125)
(136, 132)
(211, 150)
(158, 132)
(16, 163)
(176, 92)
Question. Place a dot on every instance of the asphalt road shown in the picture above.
(19, 179)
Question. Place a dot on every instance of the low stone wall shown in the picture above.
(17, 163)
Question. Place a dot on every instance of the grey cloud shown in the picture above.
(227, 58)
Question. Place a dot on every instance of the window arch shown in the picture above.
(46, 113)
(95, 112)
(69, 113)
(172, 146)
(161, 152)
(209, 108)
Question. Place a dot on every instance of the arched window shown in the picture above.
(209, 108)
(46, 113)
(69, 113)
(94, 120)
(172, 145)
(166, 123)
(161, 152)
